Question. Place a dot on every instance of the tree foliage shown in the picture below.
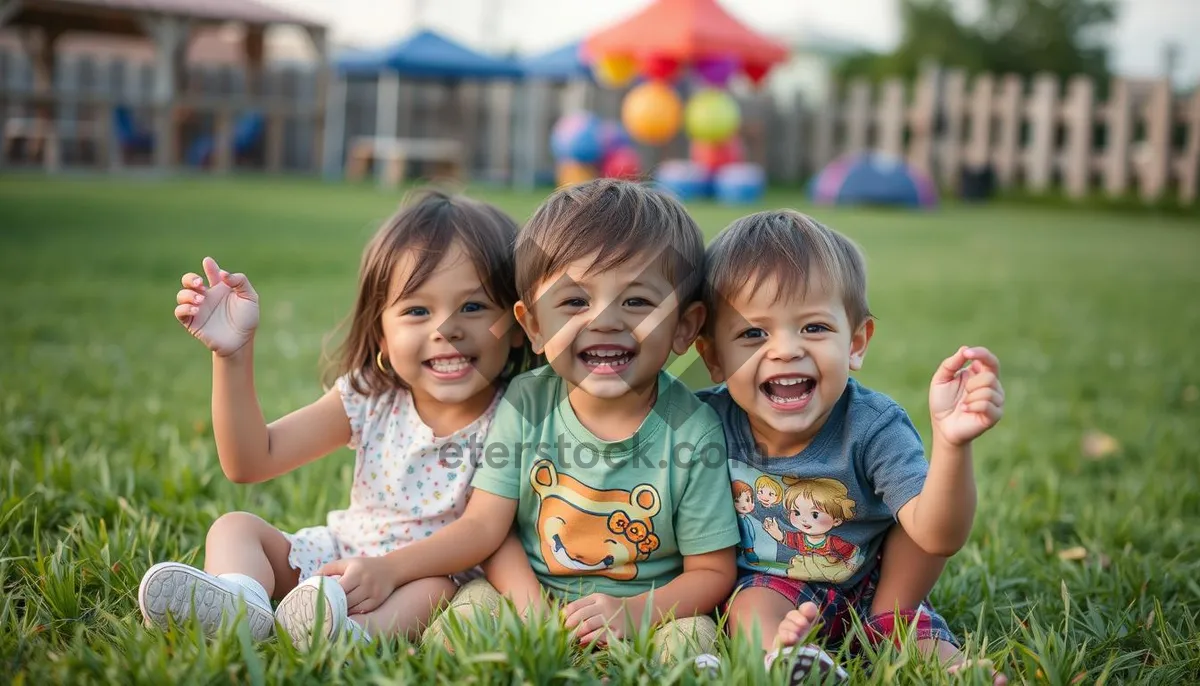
(1021, 37)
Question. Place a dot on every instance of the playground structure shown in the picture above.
(222, 128)
(1038, 136)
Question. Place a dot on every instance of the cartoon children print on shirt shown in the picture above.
(743, 503)
(584, 530)
(815, 508)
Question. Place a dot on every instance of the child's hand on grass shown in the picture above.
(965, 401)
(367, 582)
(223, 315)
(597, 618)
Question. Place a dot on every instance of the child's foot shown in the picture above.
(998, 677)
(807, 660)
(170, 588)
(297, 613)
(797, 625)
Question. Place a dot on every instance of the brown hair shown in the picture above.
(621, 221)
(828, 495)
(741, 488)
(429, 222)
(791, 248)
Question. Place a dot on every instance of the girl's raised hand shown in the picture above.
(222, 315)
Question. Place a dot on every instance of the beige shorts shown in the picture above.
(682, 638)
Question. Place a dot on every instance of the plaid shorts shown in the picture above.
(836, 604)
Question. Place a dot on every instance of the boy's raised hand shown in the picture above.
(223, 315)
(966, 398)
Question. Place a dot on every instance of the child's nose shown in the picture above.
(608, 318)
(786, 346)
(450, 329)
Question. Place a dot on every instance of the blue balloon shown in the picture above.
(684, 179)
(577, 137)
(740, 184)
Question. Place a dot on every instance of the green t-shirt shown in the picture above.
(613, 517)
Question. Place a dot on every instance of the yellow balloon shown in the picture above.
(652, 113)
(572, 173)
(615, 71)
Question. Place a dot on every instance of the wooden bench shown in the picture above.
(393, 153)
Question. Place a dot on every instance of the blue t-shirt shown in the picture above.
(822, 515)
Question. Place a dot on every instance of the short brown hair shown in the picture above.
(620, 220)
(430, 222)
(791, 248)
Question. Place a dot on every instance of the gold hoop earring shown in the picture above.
(379, 362)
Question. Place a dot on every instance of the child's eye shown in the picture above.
(573, 302)
(637, 302)
(415, 312)
(815, 328)
(753, 332)
(816, 515)
(474, 307)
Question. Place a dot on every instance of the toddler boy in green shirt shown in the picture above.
(614, 471)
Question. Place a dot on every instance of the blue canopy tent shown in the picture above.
(426, 55)
(561, 64)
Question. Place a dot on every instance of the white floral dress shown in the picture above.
(408, 483)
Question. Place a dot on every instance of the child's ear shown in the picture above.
(528, 322)
(688, 328)
(708, 353)
(859, 342)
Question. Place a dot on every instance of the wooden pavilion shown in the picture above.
(170, 25)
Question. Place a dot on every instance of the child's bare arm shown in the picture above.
(224, 316)
(250, 450)
(706, 581)
(964, 402)
(461, 544)
(939, 520)
(510, 573)
(907, 574)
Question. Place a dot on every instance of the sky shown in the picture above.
(1143, 28)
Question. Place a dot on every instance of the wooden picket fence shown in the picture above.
(1038, 137)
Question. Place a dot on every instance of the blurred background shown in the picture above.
(1076, 97)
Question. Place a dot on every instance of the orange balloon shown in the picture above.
(572, 173)
(652, 113)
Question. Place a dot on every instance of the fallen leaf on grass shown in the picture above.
(1098, 445)
(1150, 620)
(1078, 677)
(1073, 554)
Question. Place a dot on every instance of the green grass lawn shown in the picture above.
(1081, 568)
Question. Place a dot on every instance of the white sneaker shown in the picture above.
(706, 662)
(171, 588)
(808, 659)
(297, 613)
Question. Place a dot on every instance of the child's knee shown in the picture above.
(234, 525)
(685, 638)
(475, 596)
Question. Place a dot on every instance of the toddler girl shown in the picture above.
(431, 345)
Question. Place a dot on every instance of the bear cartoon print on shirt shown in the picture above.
(584, 530)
